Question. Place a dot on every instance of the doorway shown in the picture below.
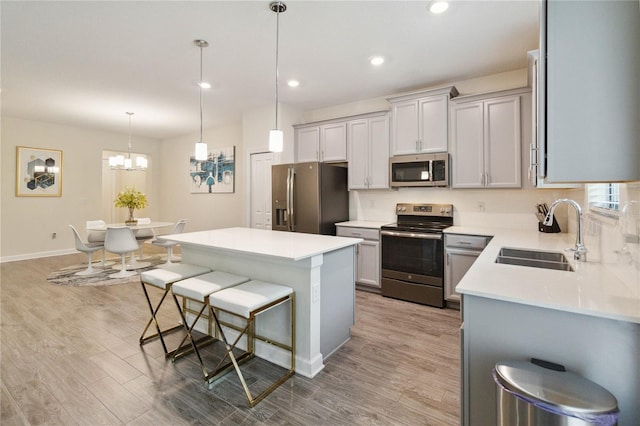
(261, 189)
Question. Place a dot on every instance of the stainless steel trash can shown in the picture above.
(540, 393)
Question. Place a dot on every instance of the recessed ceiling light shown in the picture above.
(204, 85)
(293, 83)
(438, 6)
(376, 60)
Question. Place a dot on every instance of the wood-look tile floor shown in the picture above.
(70, 355)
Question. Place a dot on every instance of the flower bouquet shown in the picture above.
(132, 199)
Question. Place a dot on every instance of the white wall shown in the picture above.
(203, 211)
(27, 223)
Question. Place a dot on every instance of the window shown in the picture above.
(604, 198)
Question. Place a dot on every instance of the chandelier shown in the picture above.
(120, 162)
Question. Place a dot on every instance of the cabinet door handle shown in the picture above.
(533, 156)
(448, 257)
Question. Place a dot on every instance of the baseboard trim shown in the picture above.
(38, 255)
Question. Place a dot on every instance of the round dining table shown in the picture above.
(133, 263)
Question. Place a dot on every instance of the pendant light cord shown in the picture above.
(129, 114)
(200, 86)
(277, 45)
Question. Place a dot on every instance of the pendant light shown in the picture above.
(201, 147)
(276, 137)
(120, 162)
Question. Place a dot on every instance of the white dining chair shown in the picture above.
(121, 241)
(169, 245)
(89, 249)
(144, 235)
(96, 230)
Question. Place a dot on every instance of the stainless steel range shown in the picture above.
(413, 253)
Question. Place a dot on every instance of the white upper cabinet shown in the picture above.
(420, 121)
(589, 78)
(486, 140)
(326, 142)
(368, 141)
(308, 143)
(333, 142)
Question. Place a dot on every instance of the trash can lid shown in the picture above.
(566, 391)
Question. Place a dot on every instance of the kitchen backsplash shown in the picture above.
(613, 241)
(496, 208)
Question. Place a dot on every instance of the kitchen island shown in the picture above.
(319, 268)
(587, 320)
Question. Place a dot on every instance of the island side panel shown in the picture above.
(602, 350)
(337, 295)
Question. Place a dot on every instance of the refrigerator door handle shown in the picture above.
(288, 212)
(291, 198)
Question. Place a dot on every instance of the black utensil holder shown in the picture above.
(552, 229)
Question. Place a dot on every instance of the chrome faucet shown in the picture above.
(580, 251)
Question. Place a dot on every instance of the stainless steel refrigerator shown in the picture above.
(309, 197)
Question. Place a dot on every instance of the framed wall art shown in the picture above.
(216, 174)
(38, 172)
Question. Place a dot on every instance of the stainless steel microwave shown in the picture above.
(419, 170)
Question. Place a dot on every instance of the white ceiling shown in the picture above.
(85, 63)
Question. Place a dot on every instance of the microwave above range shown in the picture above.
(419, 170)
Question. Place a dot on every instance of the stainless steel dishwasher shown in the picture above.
(460, 251)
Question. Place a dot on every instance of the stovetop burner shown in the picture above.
(424, 218)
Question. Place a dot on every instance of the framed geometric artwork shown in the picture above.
(38, 172)
(215, 175)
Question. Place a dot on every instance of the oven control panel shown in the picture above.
(407, 209)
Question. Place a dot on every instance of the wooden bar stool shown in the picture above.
(198, 289)
(247, 301)
(163, 278)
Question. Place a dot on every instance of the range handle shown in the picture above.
(402, 234)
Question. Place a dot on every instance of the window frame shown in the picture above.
(604, 199)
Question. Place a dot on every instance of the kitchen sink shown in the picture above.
(533, 258)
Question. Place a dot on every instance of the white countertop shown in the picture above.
(285, 245)
(594, 289)
(371, 224)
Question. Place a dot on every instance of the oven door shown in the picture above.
(413, 267)
(414, 257)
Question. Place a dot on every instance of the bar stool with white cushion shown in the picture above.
(121, 241)
(199, 289)
(163, 278)
(247, 301)
(88, 248)
(169, 245)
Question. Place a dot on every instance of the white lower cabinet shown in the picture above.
(603, 350)
(367, 254)
(461, 251)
